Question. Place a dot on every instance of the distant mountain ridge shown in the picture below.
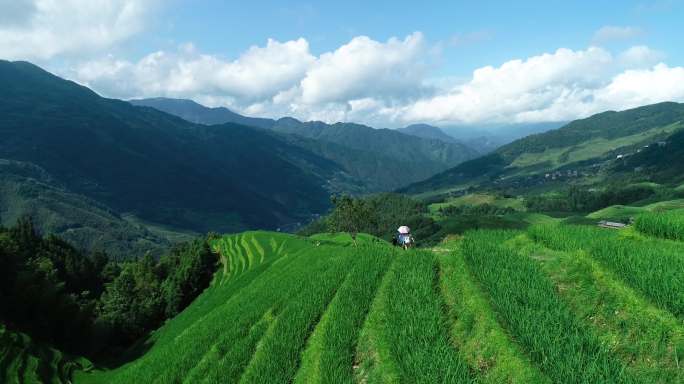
(583, 144)
(197, 113)
(427, 131)
(390, 158)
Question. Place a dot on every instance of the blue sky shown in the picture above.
(391, 64)
(490, 32)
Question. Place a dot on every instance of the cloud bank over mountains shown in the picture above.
(385, 83)
(381, 83)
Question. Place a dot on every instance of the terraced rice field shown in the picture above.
(24, 361)
(666, 225)
(553, 304)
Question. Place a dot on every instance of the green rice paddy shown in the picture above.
(23, 360)
(550, 304)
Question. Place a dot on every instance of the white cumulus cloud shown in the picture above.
(562, 86)
(518, 87)
(278, 78)
(42, 29)
(363, 68)
(634, 88)
(389, 84)
(260, 72)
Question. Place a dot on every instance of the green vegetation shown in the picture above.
(520, 292)
(554, 303)
(587, 148)
(508, 293)
(594, 147)
(28, 190)
(390, 159)
(539, 302)
(533, 218)
(48, 289)
(665, 205)
(483, 209)
(626, 213)
(616, 213)
(350, 215)
(576, 199)
(603, 127)
(415, 348)
(461, 224)
(276, 356)
(24, 361)
(156, 166)
(477, 199)
(497, 360)
(264, 307)
(379, 215)
(87, 304)
(380, 159)
(216, 336)
(329, 357)
(147, 292)
(305, 310)
(652, 267)
(666, 225)
(648, 338)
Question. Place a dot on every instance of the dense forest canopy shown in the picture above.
(87, 303)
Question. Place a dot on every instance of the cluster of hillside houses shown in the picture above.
(659, 143)
(570, 173)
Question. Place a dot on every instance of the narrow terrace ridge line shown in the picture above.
(202, 372)
(483, 342)
(374, 357)
(344, 316)
(406, 327)
(557, 342)
(619, 312)
(296, 322)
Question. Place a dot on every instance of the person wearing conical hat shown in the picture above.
(404, 238)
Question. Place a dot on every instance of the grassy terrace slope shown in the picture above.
(24, 361)
(548, 305)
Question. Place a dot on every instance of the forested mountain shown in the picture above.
(383, 159)
(582, 147)
(427, 131)
(389, 152)
(158, 167)
(197, 113)
(26, 189)
(663, 161)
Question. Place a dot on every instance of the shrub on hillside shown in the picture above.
(378, 215)
(481, 209)
(577, 199)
